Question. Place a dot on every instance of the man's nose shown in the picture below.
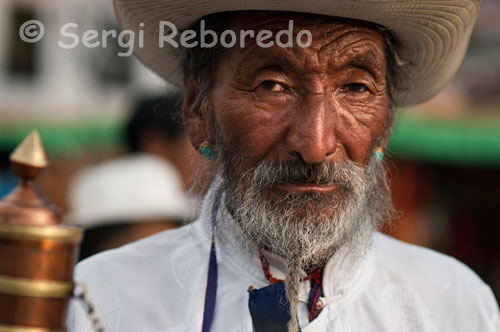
(312, 129)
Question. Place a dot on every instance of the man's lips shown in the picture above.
(306, 187)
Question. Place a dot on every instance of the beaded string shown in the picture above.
(315, 275)
(80, 292)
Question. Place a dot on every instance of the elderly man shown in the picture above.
(286, 239)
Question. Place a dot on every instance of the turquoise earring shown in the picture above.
(207, 150)
(379, 153)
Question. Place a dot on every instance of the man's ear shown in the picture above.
(192, 115)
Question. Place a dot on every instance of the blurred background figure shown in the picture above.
(126, 199)
(141, 192)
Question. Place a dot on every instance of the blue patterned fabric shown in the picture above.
(269, 308)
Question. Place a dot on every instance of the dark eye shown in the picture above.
(355, 87)
(273, 86)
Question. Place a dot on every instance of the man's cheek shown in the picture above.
(251, 136)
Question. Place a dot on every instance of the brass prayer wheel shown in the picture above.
(37, 253)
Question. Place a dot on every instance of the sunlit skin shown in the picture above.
(324, 103)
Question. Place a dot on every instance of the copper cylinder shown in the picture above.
(37, 253)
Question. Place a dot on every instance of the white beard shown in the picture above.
(308, 227)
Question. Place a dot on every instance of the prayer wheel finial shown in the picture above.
(25, 205)
(29, 158)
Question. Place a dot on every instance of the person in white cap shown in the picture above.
(125, 199)
(287, 236)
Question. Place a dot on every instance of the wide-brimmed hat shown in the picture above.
(433, 34)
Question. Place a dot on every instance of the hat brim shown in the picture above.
(433, 34)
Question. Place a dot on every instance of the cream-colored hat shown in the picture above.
(132, 188)
(434, 34)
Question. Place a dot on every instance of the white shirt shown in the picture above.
(158, 284)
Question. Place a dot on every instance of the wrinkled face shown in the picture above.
(324, 103)
(288, 118)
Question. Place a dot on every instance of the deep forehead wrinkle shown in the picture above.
(360, 53)
(337, 43)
